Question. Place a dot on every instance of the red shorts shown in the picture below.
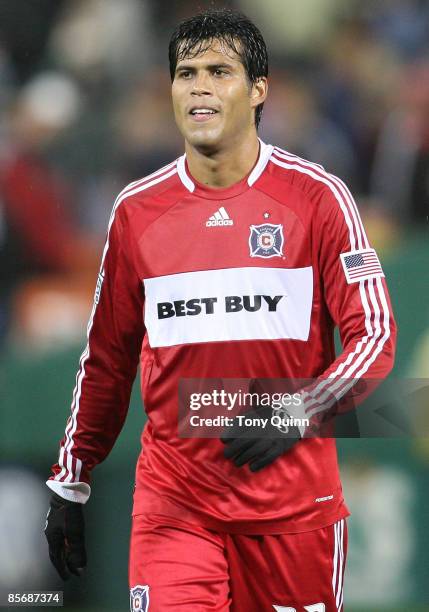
(193, 569)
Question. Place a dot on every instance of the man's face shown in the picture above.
(212, 98)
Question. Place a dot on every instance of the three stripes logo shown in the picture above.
(220, 218)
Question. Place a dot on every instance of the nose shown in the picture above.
(201, 84)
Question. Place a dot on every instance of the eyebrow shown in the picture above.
(209, 66)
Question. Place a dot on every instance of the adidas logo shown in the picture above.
(220, 218)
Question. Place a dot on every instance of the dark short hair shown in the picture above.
(196, 34)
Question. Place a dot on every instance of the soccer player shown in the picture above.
(236, 260)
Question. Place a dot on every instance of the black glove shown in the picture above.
(255, 445)
(65, 532)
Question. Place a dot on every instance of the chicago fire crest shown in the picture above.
(139, 598)
(266, 240)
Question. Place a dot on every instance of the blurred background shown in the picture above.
(85, 109)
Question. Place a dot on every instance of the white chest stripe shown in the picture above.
(232, 304)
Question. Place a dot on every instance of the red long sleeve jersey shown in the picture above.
(176, 251)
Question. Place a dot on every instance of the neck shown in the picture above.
(223, 168)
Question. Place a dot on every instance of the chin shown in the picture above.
(205, 140)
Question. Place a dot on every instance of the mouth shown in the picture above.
(202, 113)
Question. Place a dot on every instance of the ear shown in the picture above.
(259, 92)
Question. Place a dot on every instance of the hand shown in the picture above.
(256, 445)
(65, 532)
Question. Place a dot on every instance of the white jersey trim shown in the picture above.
(183, 175)
(74, 491)
(338, 564)
(265, 153)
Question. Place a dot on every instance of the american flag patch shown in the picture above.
(359, 265)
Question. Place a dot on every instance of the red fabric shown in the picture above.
(157, 231)
(192, 569)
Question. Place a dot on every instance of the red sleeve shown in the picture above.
(356, 295)
(108, 365)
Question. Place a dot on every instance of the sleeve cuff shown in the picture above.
(72, 491)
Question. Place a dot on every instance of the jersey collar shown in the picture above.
(194, 186)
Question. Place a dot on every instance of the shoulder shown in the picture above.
(143, 201)
(334, 205)
(310, 178)
(148, 186)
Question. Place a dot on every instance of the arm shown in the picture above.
(108, 365)
(356, 295)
